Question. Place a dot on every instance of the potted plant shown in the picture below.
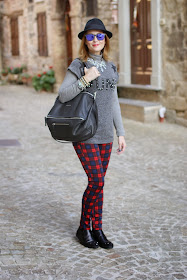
(44, 81)
(4, 72)
(25, 78)
(15, 72)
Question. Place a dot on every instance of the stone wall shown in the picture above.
(56, 33)
(28, 44)
(174, 58)
(105, 14)
(1, 34)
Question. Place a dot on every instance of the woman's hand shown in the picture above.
(91, 73)
(121, 145)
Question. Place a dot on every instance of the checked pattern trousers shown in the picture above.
(94, 159)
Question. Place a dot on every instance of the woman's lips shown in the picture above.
(95, 45)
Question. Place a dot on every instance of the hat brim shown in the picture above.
(108, 33)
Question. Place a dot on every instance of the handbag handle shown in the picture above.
(82, 68)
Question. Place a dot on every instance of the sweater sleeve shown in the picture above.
(69, 87)
(117, 118)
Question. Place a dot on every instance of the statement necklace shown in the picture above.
(98, 64)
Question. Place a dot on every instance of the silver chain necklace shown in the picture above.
(97, 64)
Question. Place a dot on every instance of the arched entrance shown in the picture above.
(61, 39)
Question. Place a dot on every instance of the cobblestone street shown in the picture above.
(42, 182)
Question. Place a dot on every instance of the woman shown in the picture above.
(99, 76)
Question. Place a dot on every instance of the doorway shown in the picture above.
(141, 41)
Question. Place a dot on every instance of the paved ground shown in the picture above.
(42, 183)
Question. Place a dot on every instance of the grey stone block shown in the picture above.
(138, 110)
(171, 115)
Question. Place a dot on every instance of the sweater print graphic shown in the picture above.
(106, 97)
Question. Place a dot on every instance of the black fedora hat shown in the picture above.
(94, 24)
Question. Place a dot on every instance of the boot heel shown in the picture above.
(100, 237)
(85, 237)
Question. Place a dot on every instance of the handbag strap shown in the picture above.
(82, 68)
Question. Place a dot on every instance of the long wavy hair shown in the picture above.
(84, 51)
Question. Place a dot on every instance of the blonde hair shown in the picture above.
(84, 51)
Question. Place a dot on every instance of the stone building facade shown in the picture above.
(47, 35)
(58, 29)
(174, 58)
(168, 81)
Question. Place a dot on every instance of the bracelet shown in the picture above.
(84, 82)
(81, 86)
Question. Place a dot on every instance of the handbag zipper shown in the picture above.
(60, 124)
(70, 118)
(60, 118)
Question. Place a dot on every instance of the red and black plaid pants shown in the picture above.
(94, 159)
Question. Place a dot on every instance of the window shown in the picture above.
(14, 36)
(91, 8)
(42, 34)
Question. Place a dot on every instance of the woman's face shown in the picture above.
(95, 46)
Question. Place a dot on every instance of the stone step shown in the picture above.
(138, 110)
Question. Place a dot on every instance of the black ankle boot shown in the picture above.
(85, 237)
(99, 236)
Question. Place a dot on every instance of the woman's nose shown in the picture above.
(95, 38)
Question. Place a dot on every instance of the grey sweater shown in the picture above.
(109, 112)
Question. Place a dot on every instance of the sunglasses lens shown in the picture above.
(100, 36)
(90, 37)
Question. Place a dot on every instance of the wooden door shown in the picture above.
(141, 43)
(68, 33)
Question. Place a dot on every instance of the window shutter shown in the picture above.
(14, 36)
(91, 8)
(42, 34)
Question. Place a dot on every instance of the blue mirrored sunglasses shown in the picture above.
(99, 36)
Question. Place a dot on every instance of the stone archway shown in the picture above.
(65, 44)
